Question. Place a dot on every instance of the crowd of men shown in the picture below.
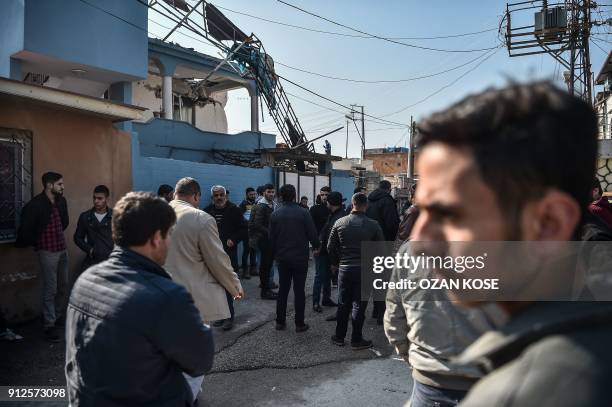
(158, 270)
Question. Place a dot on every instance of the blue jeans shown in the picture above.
(349, 303)
(429, 396)
(322, 280)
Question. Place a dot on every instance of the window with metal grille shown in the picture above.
(15, 179)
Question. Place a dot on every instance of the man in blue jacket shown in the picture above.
(131, 331)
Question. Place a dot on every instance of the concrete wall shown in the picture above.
(73, 30)
(88, 151)
(180, 140)
(150, 172)
(211, 117)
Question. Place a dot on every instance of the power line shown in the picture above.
(443, 87)
(597, 45)
(336, 103)
(384, 38)
(355, 35)
(382, 80)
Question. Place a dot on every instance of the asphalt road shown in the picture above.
(255, 365)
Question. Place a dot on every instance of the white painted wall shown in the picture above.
(211, 117)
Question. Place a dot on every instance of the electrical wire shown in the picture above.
(443, 87)
(382, 80)
(384, 38)
(354, 35)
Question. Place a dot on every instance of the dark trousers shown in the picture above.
(288, 271)
(249, 256)
(379, 310)
(265, 264)
(232, 253)
(322, 280)
(349, 303)
(230, 303)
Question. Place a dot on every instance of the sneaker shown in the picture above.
(301, 328)
(329, 303)
(10, 336)
(337, 341)
(269, 295)
(52, 335)
(228, 324)
(362, 344)
(317, 308)
(218, 323)
(280, 327)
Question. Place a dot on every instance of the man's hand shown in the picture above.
(240, 295)
(230, 243)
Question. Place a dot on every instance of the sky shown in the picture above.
(373, 59)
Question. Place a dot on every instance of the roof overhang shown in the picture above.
(303, 155)
(606, 69)
(104, 108)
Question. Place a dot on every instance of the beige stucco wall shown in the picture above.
(87, 151)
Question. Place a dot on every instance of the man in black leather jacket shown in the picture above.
(93, 232)
(344, 249)
(131, 332)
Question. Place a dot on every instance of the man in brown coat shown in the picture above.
(196, 258)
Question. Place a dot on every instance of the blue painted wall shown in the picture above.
(151, 172)
(343, 182)
(86, 32)
(12, 14)
(191, 144)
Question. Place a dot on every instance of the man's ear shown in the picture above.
(553, 217)
(156, 239)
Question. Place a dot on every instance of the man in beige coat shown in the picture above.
(196, 258)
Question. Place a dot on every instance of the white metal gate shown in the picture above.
(307, 185)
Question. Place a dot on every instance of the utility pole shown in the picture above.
(535, 27)
(362, 134)
(411, 150)
(346, 150)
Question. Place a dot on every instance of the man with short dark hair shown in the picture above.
(516, 164)
(319, 211)
(357, 190)
(344, 249)
(93, 234)
(304, 202)
(232, 228)
(259, 238)
(43, 221)
(196, 258)
(249, 254)
(133, 347)
(165, 191)
(291, 228)
(322, 281)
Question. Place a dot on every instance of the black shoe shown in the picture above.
(218, 323)
(362, 344)
(329, 303)
(228, 324)
(337, 341)
(280, 327)
(269, 295)
(52, 335)
(317, 308)
(331, 318)
(301, 328)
